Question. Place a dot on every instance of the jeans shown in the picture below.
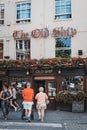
(5, 105)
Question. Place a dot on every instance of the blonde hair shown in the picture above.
(41, 89)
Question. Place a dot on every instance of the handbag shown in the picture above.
(47, 101)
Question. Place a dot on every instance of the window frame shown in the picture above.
(73, 82)
(22, 53)
(65, 48)
(63, 15)
(23, 20)
(2, 6)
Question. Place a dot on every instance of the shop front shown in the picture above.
(54, 76)
(39, 77)
(53, 81)
(73, 88)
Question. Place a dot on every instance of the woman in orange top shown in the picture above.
(41, 98)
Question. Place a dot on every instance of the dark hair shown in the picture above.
(5, 86)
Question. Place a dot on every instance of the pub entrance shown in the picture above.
(38, 84)
(49, 88)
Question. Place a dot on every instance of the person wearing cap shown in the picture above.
(28, 95)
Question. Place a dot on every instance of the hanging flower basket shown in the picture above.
(50, 62)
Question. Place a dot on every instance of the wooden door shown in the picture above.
(51, 92)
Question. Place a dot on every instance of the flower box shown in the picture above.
(64, 106)
(75, 99)
(78, 106)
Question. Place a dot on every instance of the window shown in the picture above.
(20, 82)
(1, 14)
(51, 89)
(75, 83)
(62, 9)
(22, 49)
(63, 47)
(23, 12)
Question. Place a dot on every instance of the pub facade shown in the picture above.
(44, 44)
(52, 75)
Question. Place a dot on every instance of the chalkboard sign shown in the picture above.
(78, 106)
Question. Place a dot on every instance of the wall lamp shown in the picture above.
(59, 71)
(80, 52)
(7, 57)
(27, 73)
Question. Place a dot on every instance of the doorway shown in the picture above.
(49, 88)
(51, 92)
(38, 84)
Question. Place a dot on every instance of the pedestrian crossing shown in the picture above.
(8, 125)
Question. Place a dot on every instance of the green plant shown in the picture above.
(79, 96)
(64, 96)
(70, 96)
(50, 62)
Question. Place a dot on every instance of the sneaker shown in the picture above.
(15, 108)
(42, 120)
(19, 109)
(39, 119)
(6, 117)
(29, 119)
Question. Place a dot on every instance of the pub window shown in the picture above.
(1, 14)
(22, 49)
(19, 82)
(74, 83)
(51, 89)
(63, 47)
(20, 45)
(23, 13)
(63, 9)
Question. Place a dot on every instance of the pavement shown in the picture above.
(54, 120)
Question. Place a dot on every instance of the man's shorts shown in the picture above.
(27, 105)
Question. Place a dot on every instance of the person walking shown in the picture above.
(11, 100)
(14, 98)
(28, 95)
(5, 96)
(41, 105)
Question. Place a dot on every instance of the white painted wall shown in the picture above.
(42, 12)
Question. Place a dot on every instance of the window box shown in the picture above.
(75, 99)
(78, 106)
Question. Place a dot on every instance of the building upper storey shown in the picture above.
(57, 28)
